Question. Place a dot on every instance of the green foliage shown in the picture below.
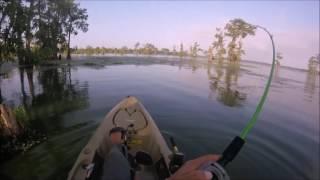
(145, 49)
(218, 44)
(123, 50)
(76, 20)
(210, 53)
(26, 25)
(237, 29)
(21, 115)
(194, 49)
(181, 52)
(165, 51)
(314, 62)
(149, 49)
(40, 54)
(12, 23)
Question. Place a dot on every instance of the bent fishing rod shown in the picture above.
(217, 168)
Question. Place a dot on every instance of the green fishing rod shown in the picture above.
(217, 168)
(255, 116)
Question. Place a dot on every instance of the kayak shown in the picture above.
(143, 135)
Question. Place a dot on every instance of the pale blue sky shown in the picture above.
(295, 25)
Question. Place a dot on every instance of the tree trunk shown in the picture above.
(30, 81)
(28, 33)
(69, 52)
(231, 46)
(1, 59)
(8, 122)
(20, 50)
(22, 80)
(39, 14)
(1, 98)
(23, 92)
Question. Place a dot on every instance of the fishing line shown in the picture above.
(217, 168)
(255, 116)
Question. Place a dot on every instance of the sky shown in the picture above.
(294, 25)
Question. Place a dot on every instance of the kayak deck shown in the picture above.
(143, 135)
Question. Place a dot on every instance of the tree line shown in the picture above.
(227, 44)
(32, 30)
(141, 49)
(234, 31)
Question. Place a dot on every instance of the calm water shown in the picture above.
(202, 106)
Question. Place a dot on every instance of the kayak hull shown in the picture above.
(144, 136)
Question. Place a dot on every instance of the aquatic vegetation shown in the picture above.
(33, 112)
(15, 134)
(21, 115)
(11, 146)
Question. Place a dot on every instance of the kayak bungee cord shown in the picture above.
(217, 168)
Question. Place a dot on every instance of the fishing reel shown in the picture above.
(217, 168)
(218, 172)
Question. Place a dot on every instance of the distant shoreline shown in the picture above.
(110, 59)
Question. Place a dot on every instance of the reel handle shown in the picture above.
(217, 168)
(218, 172)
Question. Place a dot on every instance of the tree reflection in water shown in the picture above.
(193, 64)
(226, 90)
(41, 109)
(310, 84)
(276, 75)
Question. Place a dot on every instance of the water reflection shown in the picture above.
(39, 110)
(178, 101)
(194, 64)
(276, 75)
(310, 84)
(226, 90)
(60, 94)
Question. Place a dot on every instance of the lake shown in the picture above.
(203, 106)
